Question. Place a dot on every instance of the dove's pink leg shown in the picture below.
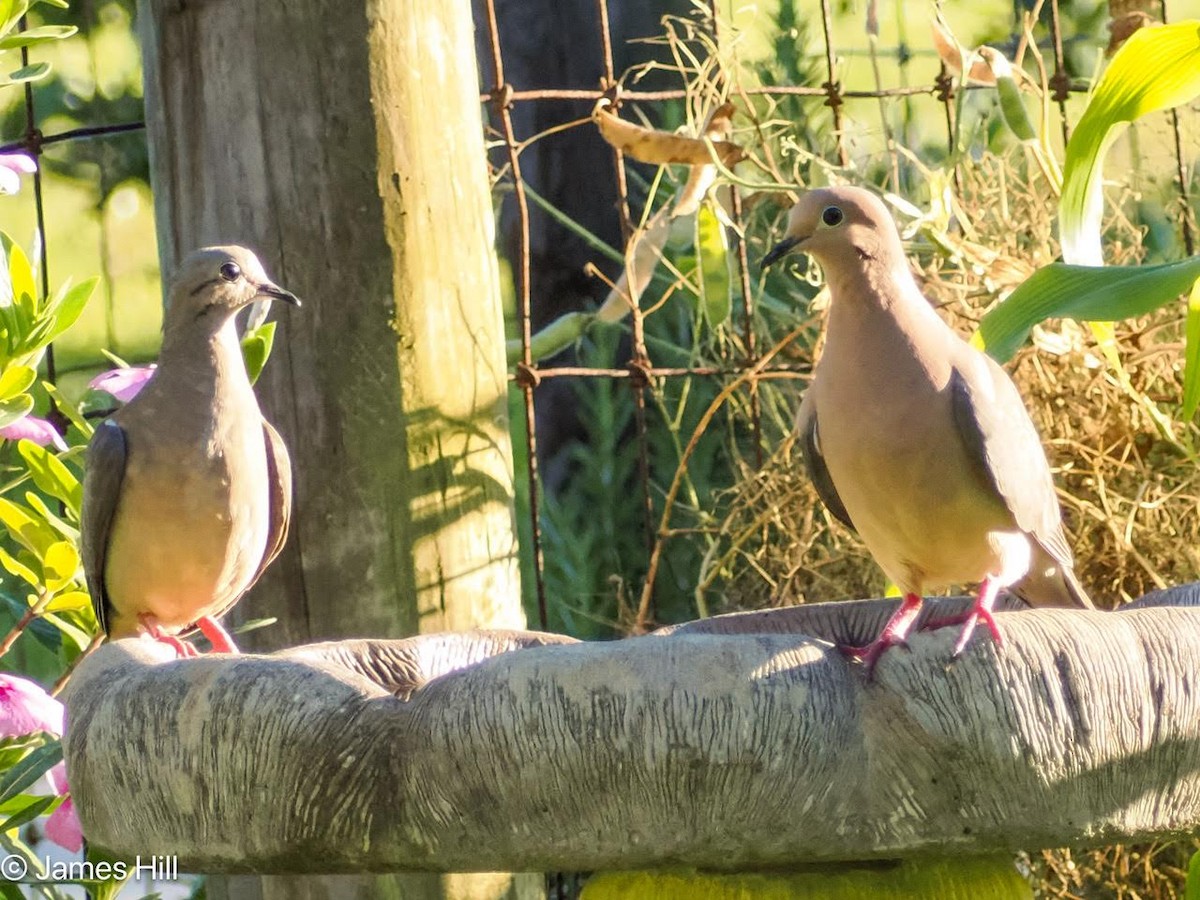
(989, 590)
(154, 630)
(894, 632)
(217, 636)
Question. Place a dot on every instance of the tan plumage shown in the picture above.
(187, 492)
(915, 439)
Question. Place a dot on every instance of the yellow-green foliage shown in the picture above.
(968, 878)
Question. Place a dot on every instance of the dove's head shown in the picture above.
(840, 227)
(212, 284)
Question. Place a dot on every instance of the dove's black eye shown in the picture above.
(831, 216)
(230, 271)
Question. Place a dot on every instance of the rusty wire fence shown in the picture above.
(34, 142)
(745, 373)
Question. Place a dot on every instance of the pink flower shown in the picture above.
(26, 708)
(12, 167)
(63, 826)
(125, 383)
(40, 431)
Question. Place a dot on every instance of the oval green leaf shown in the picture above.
(51, 475)
(60, 565)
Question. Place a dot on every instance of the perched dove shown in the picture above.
(187, 492)
(915, 439)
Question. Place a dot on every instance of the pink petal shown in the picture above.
(63, 827)
(26, 708)
(18, 162)
(34, 429)
(124, 384)
(10, 181)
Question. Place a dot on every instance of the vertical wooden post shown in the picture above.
(343, 142)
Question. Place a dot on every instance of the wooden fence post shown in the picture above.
(343, 142)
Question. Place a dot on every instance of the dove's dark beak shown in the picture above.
(780, 250)
(275, 292)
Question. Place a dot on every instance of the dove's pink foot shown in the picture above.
(989, 590)
(217, 636)
(150, 624)
(894, 632)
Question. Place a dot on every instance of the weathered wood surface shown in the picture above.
(757, 748)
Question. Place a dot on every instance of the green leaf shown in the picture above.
(108, 888)
(712, 251)
(25, 529)
(29, 73)
(43, 632)
(13, 749)
(71, 306)
(69, 601)
(1157, 68)
(256, 349)
(29, 811)
(51, 475)
(1088, 293)
(15, 567)
(1193, 878)
(15, 410)
(68, 630)
(69, 532)
(16, 380)
(69, 410)
(20, 276)
(30, 769)
(33, 36)
(10, 14)
(60, 565)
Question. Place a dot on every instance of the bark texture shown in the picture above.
(746, 742)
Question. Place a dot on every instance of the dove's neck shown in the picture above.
(204, 359)
(878, 295)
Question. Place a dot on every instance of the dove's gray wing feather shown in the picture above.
(279, 474)
(1004, 446)
(814, 461)
(279, 471)
(106, 457)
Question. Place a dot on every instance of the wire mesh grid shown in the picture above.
(744, 373)
(641, 368)
(34, 142)
(749, 370)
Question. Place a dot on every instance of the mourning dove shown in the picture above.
(187, 492)
(915, 439)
